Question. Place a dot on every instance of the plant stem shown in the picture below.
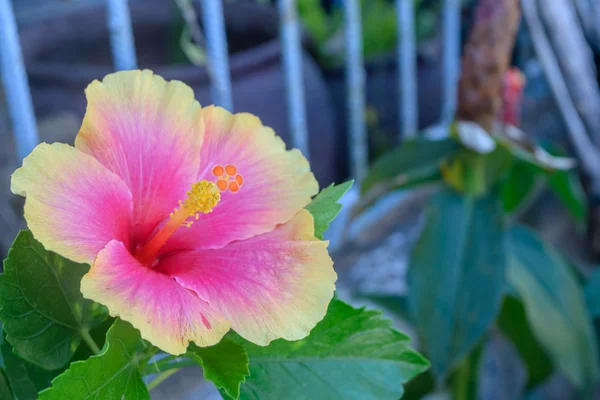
(161, 378)
(85, 335)
(161, 366)
(461, 388)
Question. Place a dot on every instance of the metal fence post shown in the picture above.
(15, 82)
(121, 35)
(408, 110)
(216, 48)
(292, 64)
(450, 59)
(355, 88)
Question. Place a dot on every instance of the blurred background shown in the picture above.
(370, 90)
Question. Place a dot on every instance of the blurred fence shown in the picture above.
(123, 49)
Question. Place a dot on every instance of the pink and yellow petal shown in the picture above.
(149, 132)
(74, 206)
(166, 314)
(271, 184)
(276, 285)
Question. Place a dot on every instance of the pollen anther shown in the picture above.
(203, 197)
(228, 178)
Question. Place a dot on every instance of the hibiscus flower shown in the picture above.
(191, 218)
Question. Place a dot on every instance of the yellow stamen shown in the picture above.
(203, 198)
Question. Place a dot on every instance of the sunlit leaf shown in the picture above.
(325, 207)
(351, 354)
(225, 364)
(113, 374)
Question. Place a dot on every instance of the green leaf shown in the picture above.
(351, 354)
(98, 335)
(563, 179)
(567, 187)
(457, 275)
(325, 207)
(42, 308)
(518, 185)
(514, 325)
(414, 160)
(113, 374)
(5, 392)
(555, 306)
(225, 364)
(592, 294)
(25, 379)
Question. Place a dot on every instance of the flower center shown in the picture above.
(202, 198)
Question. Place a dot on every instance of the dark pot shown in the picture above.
(382, 102)
(65, 53)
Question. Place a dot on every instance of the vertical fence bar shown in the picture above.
(408, 109)
(15, 82)
(292, 64)
(450, 58)
(355, 88)
(121, 35)
(597, 19)
(216, 48)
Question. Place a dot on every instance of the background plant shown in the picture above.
(497, 310)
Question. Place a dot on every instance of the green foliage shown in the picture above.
(351, 354)
(555, 306)
(225, 364)
(5, 392)
(464, 378)
(44, 313)
(531, 161)
(457, 275)
(315, 19)
(378, 25)
(567, 187)
(466, 262)
(325, 207)
(416, 160)
(518, 185)
(25, 379)
(514, 325)
(113, 374)
(592, 294)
